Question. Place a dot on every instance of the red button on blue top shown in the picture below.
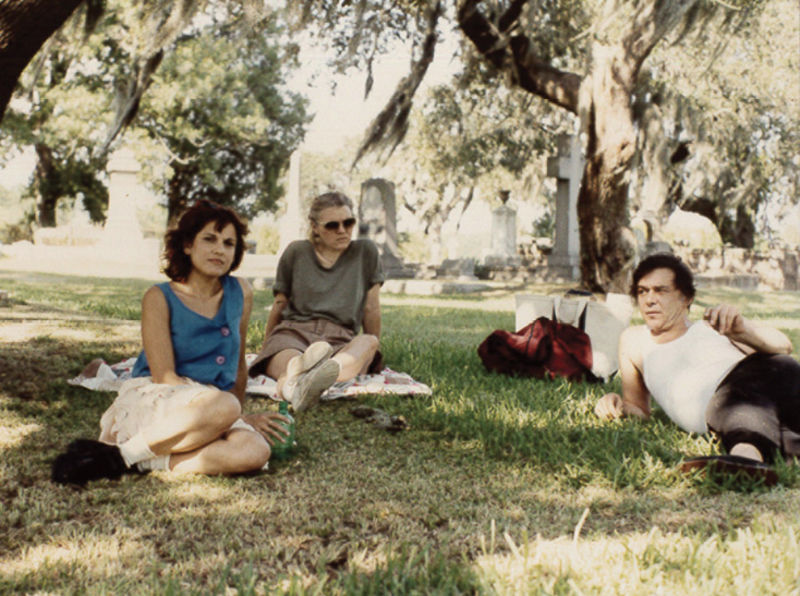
(220, 359)
(225, 332)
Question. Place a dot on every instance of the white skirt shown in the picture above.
(141, 402)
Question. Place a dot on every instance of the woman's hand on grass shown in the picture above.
(270, 425)
(609, 407)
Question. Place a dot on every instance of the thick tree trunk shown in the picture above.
(434, 232)
(24, 27)
(608, 247)
(45, 177)
(602, 99)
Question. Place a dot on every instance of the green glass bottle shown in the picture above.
(285, 449)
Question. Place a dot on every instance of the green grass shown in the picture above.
(501, 485)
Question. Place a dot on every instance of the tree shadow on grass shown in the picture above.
(548, 423)
(29, 369)
(359, 509)
(40, 412)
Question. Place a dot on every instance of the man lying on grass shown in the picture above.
(182, 408)
(726, 374)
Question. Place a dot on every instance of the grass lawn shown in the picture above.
(500, 485)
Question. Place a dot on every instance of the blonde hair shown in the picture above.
(322, 202)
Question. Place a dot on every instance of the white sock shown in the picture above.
(135, 450)
(159, 462)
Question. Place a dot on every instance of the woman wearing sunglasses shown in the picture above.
(326, 290)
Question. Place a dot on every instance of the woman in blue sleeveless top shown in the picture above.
(182, 410)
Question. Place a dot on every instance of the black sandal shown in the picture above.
(85, 460)
(729, 465)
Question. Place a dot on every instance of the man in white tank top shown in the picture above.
(727, 374)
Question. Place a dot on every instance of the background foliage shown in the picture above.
(716, 108)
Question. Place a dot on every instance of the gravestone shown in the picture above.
(655, 247)
(460, 269)
(567, 168)
(502, 262)
(377, 218)
(121, 232)
(80, 216)
(504, 233)
(791, 270)
(291, 224)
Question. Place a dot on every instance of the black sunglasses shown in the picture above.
(334, 225)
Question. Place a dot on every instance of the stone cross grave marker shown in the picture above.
(567, 168)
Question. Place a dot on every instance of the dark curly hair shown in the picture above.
(177, 264)
(684, 281)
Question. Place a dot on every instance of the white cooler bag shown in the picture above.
(603, 323)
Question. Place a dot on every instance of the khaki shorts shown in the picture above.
(141, 402)
(298, 335)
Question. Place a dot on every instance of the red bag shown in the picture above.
(542, 349)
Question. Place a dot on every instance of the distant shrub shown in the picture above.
(544, 226)
(152, 221)
(15, 232)
(413, 246)
(267, 237)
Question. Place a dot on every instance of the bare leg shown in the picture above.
(276, 368)
(355, 358)
(206, 416)
(747, 450)
(238, 451)
(209, 415)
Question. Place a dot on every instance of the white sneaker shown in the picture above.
(314, 354)
(304, 391)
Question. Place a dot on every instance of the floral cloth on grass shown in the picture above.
(388, 382)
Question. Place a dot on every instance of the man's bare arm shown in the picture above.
(748, 335)
(635, 399)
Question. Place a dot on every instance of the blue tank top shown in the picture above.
(205, 350)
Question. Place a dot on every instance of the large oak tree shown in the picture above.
(585, 57)
(218, 106)
(24, 27)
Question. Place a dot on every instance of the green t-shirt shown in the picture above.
(337, 294)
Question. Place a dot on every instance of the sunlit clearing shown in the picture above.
(665, 562)
(103, 556)
(186, 490)
(12, 436)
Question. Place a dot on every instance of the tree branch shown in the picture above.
(514, 55)
(390, 125)
(164, 32)
(651, 23)
(24, 26)
(542, 79)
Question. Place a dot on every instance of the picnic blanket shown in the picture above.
(101, 376)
